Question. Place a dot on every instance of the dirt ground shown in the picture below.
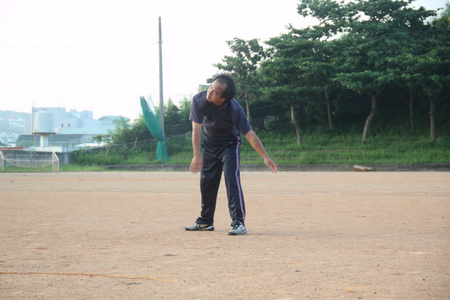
(311, 235)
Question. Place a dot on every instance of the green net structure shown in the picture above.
(148, 111)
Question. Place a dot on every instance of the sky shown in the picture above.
(103, 55)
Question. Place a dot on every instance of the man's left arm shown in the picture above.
(254, 140)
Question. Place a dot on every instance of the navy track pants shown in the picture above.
(221, 155)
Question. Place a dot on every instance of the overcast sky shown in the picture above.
(102, 55)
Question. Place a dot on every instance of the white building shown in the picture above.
(57, 130)
(64, 121)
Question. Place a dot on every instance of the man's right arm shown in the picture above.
(197, 162)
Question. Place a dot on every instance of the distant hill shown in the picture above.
(6, 116)
(9, 113)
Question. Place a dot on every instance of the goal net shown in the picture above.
(12, 159)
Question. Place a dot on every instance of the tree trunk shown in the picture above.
(330, 121)
(294, 121)
(247, 107)
(372, 114)
(411, 108)
(432, 119)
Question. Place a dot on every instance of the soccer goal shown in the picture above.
(23, 160)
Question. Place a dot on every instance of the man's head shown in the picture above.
(222, 89)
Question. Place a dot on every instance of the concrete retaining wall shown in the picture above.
(283, 168)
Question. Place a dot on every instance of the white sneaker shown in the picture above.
(238, 230)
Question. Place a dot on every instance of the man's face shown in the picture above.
(215, 92)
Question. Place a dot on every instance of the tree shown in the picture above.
(171, 118)
(185, 108)
(282, 76)
(423, 67)
(374, 32)
(317, 68)
(372, 41)
(435, 64)
(126, 131)
(243, 66)
(435, 67)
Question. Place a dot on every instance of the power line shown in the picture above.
(108, 45)
(76, 47)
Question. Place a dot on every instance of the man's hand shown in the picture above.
(196, 164)
(254, 140)
(271, 164)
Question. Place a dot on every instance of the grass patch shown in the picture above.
(78, 168)
(317, 148)
(62, 168)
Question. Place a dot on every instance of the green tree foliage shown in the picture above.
(171, 118)
(423, 65)
(373, 34)
(379, 32)
(282, 76)
(316, 71)
(243, 66)
(185, 108)
(127, 132)
(363, 58)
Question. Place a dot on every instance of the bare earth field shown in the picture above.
(311, 235)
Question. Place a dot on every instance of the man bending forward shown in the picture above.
(223, 121)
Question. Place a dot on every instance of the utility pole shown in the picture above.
(161, 98)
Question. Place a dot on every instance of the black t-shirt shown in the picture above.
(228, 119)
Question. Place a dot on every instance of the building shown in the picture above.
(64, 120)
(70, 129)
